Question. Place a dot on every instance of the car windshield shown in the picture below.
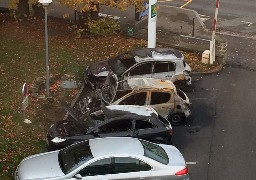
(74, 156)
(154, 151)
(122, 63)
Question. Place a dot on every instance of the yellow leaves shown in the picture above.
(66, 15)
(13, 4)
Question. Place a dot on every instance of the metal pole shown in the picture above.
(46, 55)
(152, 23)
(212, 53)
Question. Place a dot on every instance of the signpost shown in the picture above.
(152, 15)
(24, 103)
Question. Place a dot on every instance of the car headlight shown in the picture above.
(58, 140)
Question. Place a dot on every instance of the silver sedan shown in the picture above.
(106, 158)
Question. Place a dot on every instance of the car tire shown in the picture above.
(175, 119)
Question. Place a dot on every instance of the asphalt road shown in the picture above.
(235, 16)
(220, 144)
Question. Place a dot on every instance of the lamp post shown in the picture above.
(45, 4)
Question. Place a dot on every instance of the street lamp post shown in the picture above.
(45, 3)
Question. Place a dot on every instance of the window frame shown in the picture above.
(131, 157)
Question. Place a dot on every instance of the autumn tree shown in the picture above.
(87, 9)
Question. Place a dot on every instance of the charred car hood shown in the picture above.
(66, 128)
(100, 68)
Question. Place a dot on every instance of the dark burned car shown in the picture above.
(159, 63)
(113, 121)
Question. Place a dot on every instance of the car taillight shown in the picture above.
(169, 131)
(182, 172)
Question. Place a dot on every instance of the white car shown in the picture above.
(159, 63)
(106, 158)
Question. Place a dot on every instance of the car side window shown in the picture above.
(141, 69)
(100, 167)
(128, 164)
(135, 99)
(159, 97)
(164, 67)
(116, 126)
(143, 124)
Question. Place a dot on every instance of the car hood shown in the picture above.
(100, 68)
(40, 166)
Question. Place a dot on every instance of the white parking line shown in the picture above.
(248, 23)
(190, 163)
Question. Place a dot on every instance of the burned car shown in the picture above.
(159, 63)
(161, 95)
(112, 121)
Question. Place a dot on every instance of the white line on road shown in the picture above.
(246, 22)
(190, 163)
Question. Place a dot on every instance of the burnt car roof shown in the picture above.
(120, 111)
(149, 52)
(150, 83)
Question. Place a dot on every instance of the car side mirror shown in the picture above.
(78, 176)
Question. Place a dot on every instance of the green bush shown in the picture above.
(103, 27)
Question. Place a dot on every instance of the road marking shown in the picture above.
(246, 22)
(204, 17)
(186, 3)
(190, 163)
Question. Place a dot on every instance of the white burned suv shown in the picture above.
(159, 63)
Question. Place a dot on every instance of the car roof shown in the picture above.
(122, 110)
(150, 83)
(157, 53)
(115, 145)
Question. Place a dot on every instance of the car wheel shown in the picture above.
(175, 119)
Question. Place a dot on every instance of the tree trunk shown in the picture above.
(38, 9)
(84, 17)
(23, 9)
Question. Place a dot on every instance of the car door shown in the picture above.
(116, 128)
(162, 102)
(98, 170)
(140, 70)
(163, 70)
(130, 168)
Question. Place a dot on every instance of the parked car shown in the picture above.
(161, 95)
(160, 63)
(117, 120)
(106, 158)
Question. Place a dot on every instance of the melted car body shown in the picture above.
(160, 63)
(161, 95)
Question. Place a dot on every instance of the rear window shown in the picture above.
(74, 156)
(155, 152)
